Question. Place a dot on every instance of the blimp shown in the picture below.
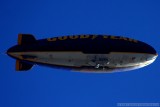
(83, 53)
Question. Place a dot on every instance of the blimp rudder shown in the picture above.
(25, 39)
(23, 66)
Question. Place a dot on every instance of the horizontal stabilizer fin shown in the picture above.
(25, 39)
(22, 66)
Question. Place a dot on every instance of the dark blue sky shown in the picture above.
(47, 87)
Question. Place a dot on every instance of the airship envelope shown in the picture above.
(83, 53)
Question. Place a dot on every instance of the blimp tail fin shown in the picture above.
(25, 39)
(23, 66)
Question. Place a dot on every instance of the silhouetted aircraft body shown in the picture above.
(84, 53)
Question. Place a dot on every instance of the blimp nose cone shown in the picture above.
(153, 52)
(152, 55)
(155, 56)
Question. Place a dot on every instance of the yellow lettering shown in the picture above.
(114, 37)
(73, 37)
(84, 36)
(94, 36)
(105, 37)
(123, 38)
(62, 38)
(132, 40)
(52, 39)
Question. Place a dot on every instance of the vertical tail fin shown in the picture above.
(25, 39)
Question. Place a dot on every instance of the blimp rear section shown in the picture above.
(84, 53)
